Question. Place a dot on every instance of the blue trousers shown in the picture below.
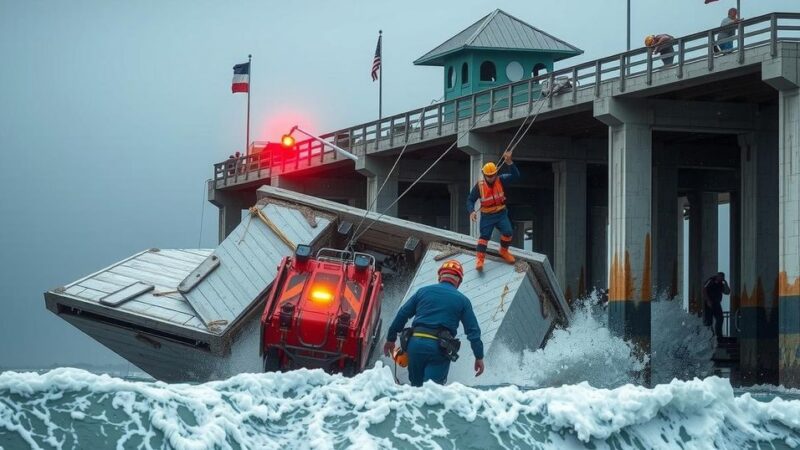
(497, 220)
(426, 361)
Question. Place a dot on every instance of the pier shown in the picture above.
(612, 167)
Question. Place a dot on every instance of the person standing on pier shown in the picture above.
(712, 293)
(493, 208)
(731, 19)
(661, 44)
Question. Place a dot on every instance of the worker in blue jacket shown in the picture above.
(493, 209)
(436, 307)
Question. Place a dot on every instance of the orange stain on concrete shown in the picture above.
(786, 287)
(621, 278)
(755, 298)
(647, 276)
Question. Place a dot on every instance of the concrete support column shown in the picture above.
(665, 231)
(703, 247)
(629, 197)
(543, 223)
(758, 309)
(598, 247)
(376, 169)
(734, 278)
(481, 150)
(682, 202)
(570, 227)
(783, 74)
(459, 219)
(230, 204)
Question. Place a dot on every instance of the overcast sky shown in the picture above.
(112, 113)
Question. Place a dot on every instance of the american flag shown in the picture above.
(376, 62)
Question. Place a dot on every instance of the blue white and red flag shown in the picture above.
(241, 78)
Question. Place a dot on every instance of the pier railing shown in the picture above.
(448, 118)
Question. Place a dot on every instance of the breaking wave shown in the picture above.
(71, 408)
(578, 392)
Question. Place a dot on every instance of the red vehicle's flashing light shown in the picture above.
(321, 296)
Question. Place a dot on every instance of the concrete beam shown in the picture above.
(783, 74)
(376, 169)
(708, 180)
(445, 172)
(675, 115)
(570, 227)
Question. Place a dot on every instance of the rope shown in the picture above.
(255, 211)
(396, 161)
(480, 118)
(513, 145)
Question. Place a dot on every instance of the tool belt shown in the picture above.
(448, 345)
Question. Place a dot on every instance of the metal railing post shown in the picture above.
(474, 109)
(598, 70)
(530, 95)
(510, 100)
(710, 51)
(740, 42)
(773, 35)
(491, 105)
(575, 85)
(456, 116)
(422, 125)
(622, 73)
(391, 132)
(439, 119)
(681, 57)
(408, 126)
(649, 68)
(552, 86)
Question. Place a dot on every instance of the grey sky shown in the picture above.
(111, 114)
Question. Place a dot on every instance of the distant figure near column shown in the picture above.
(713, 289)
(493, 209)
(661, 44)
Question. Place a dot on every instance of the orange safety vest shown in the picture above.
(493, 198)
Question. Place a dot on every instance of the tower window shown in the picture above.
(488, 71)
(451, 77)
(464, 73)
(539, 69)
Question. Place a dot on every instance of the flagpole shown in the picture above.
(380, 78)
(249, 88)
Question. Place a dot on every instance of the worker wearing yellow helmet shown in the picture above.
(661, 44)
(493, 208)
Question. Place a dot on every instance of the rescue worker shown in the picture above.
(493, 209)
(436, 309)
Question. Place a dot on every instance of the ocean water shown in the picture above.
(579, 392)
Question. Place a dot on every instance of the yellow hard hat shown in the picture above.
(489, 169)
(648, 41)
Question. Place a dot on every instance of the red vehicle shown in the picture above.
(322, 312)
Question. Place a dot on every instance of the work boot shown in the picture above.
(507, 256)
(479, 257)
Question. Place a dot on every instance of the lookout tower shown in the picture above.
(497, 49)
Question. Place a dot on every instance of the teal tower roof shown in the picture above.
(499, 30)
(493, 51)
